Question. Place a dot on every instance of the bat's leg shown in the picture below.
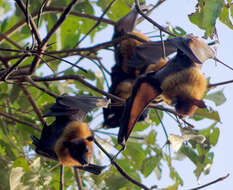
(61, 177)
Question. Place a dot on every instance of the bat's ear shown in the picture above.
(127, 23)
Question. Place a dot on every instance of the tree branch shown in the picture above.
(32, 25)
(61, 177)
(211, 183)
(48, 10)
(122, 172)
(40, 88)
(33, 103)
(97, 23)
(78, 178)
(80, 79)
(219, 84)
(151, 21)
(20, 121)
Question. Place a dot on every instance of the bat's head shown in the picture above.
(80, 149)
(186, 106)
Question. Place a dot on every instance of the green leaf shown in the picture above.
(204, 113)
(133, 149)
(190, 153)
(21, 162)
(151, 138)
(213, 139)
(217, 97)
(140, 126)
(119, 9)
(206, 15)
(173, 173)
(172, 187)
(149, 164)
(225, 17)
(153, 116)
(69, 32)
(179, 31)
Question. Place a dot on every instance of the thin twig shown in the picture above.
(61, 59)
(211, 183)
(151, 21)
(20, 121)
(220, 83)
(48, 10)
(81, 80)
(59, 22)
(139, 20)
(97, 23)
(13, 67)
(40, 88)
(32, 24)
(10, 40)
(90, 49)
(33, 103)
(122, 172)
(4, 61)
(78, 178)
(163, 45)
(43, 44)
(40, 12)
(61, 177)
(96, 47)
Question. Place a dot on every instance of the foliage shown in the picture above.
(20, 167)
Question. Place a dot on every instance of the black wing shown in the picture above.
(145, 90)
(149, 53)
(76, 107)
(92, 168)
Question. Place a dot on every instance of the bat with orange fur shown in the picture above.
(132, 58)
(179, 83)
(68, 139)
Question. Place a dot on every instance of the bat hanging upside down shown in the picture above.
(132, 58)
(179, 83)
(68, 139)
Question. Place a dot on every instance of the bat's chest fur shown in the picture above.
(189, 83)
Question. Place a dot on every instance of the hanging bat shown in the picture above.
(68, 139)
(179, 83)
(132, 58)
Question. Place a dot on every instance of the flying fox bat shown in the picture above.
(132, 58)
(68, 139)
(179, 83)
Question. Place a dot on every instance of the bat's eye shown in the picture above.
(90, 138)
